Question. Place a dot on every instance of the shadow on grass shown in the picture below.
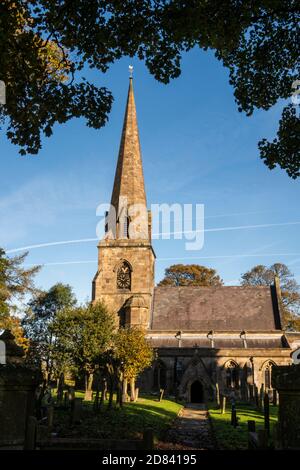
(227, 436)
(127, 422)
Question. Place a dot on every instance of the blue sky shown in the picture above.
(196, 147)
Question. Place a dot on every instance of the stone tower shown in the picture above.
(125, 277)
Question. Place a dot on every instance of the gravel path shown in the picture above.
(191, 430)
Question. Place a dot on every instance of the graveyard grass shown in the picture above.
(229, 438)
(127, 422)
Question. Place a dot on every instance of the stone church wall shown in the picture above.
(234, 370)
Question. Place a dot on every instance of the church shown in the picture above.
(207, 339)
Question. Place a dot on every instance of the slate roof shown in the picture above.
(226, 308)
(219, 343)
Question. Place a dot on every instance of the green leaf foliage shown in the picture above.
(85, 334)
(132, 351)
(284, 150)
(15, 282)
(261, 275)
(190, 275)
(41, 314)
(46, 45)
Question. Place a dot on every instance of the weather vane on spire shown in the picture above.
(130, 71)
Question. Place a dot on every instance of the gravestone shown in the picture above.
(262, 439)
(218, 395)
(274, 398)
(76, 411)
(261, 397)
(267, 414)
(251, 425)
(17, 393)
(256, 397)
(252, 441)
(50, 415)
(31, 433)
(223, 405)
(234, 418)
(71, 396)
(252, 435)
(286, 380)
(71, 393)
(66, 399)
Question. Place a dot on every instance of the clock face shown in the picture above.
(123, 277)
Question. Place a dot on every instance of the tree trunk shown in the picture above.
(124, 390)
(49, 365)
(96, 402)
(88, 386)
(103, 392)
(120, 393)
(119, 396)
(44, 385)
(111, 392)
(132, 389)
(60, 387)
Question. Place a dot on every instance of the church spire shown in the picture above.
(129, 179)
(125, 277)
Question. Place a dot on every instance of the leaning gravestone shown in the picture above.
(286, 380)
(17, 393)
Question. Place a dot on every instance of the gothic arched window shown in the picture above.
(232, 375)
(124, 276)
(268, 375)
(247, 374)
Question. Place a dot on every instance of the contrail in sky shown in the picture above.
(43, 245)
(224, 229)
(216, 229)
(176, 258)
(233, 214)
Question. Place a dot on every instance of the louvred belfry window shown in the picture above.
(126, 227)
(124, 276)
